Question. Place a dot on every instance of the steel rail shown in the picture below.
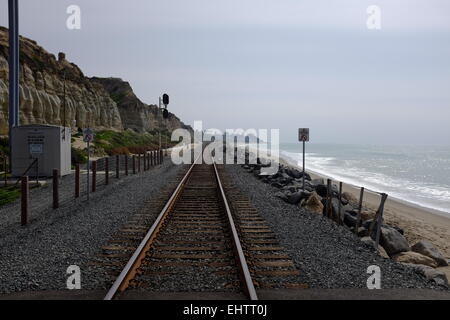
(129, 272)
(246, 278)
(134, 263)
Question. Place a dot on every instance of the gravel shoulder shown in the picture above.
(36, 257)
(328, 256)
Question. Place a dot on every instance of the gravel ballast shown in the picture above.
(327, 255)
(36, 257)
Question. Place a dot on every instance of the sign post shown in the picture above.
(88, 137)
(303, 136)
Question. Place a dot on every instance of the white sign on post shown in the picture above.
(88, 135)
(303, 134)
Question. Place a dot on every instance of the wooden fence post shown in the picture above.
(340, 204)
(145, 162)
(25, 209)
(55, 189)
(139, 163)
(358, 217)
(94, 176)
(77, 180)
(106, 171)
(380, 219)
(117, 166)
(5, 164)
(328, 207)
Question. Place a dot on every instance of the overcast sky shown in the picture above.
(280, 64)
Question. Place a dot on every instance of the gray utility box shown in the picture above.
(51, 145)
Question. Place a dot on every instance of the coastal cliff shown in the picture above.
(135, 114)
(103, 104)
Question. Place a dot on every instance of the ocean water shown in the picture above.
(416, 174)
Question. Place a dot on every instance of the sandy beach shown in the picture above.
(418, 223)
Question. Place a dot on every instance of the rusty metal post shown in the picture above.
(126, 165)
(25, 208)
(117, 166)
(106, 171)
(55, 189)
(94, 176)
(77, 180)
(134, 164)
(358, 217)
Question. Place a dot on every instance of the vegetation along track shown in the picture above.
(195, 244)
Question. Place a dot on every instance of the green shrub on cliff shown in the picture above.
(78, 156)
(126, 142)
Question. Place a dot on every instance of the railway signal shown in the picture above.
(165, 114)
(165, 99)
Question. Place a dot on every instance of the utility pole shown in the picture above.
(64, 99)
(159, 129)
(13, 61)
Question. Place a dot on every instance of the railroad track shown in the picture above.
(202, 242)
